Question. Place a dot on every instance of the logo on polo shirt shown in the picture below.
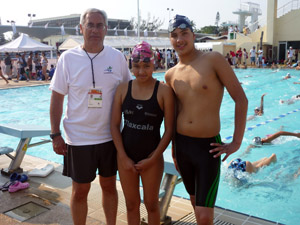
(108, 70)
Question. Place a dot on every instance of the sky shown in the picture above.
(202, 12)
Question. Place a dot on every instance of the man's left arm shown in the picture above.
(234, 88)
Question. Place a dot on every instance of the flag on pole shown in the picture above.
(62, 29)
(145, 33)
(116, 32)
(77, 30)
(13, 26)
(46, 26)
(30, 25)
(125, 31)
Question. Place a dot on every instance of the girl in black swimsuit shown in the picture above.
(144, 103)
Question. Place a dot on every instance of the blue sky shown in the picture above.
(202, 12)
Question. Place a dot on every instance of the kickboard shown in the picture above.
(42, 172)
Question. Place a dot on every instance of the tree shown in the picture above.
(193, 25)
(217, 23)
(223, 28)
(217, 19)
(151, 24)
(208, 30)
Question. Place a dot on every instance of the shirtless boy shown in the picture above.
(198, 81)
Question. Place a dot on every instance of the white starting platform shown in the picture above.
(170, 179)
(25, 133)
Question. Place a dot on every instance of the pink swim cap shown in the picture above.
(142, 52)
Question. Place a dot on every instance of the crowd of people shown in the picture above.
(35, 67)
(232, 31)
(31, 67)
(239, 59)
(165, 58)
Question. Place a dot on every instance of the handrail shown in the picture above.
(292, 5)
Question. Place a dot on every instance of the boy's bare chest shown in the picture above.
(192, 81)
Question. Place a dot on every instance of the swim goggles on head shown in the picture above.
(181, 22)
(139, 58)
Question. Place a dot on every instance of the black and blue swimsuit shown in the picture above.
(199, 170)
(142, 121)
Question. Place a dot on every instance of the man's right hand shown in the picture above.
(59, 145)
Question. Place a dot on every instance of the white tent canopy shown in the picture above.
(118, 42)
(206, 46)
(24, 43)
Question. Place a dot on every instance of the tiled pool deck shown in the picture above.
(54, 191)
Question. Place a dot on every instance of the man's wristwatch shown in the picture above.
(54, 135)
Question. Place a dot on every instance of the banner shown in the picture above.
(116, 32)
(146, 33)
(13, 26)
(62, 29)
(77, 30)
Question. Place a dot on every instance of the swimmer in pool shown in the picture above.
(287, 76)
(291, 100)
(258, 141)
(251, 167)
(269, 138)
(258, 111)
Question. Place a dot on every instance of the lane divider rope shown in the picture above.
(265, 122)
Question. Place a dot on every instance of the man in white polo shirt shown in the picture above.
(89, 75)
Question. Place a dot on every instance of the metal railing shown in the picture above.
(250, 7)
(292, 5)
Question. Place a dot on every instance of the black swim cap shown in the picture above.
(181, 22)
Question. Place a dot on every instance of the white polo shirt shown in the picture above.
(73, 77)
(290, 53)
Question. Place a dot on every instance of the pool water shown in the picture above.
(272, 193)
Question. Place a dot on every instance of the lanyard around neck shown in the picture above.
(92, 66)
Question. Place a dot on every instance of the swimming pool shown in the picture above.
(272, 193)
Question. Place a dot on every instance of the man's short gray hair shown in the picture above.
(93, 10)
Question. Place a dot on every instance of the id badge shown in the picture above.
(95, 98)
